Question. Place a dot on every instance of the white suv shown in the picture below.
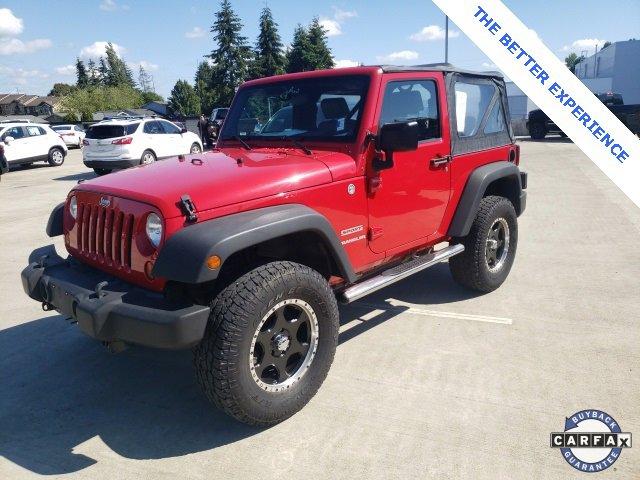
(117, 144)
(26, 143)
(71, 134)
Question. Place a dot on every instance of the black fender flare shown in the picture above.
(475, 189)
(183, 257)
(54, 224)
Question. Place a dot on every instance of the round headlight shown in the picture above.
(73, 207)
(154, 229)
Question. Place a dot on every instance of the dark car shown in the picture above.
(540, 125)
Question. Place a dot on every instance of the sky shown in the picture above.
(40, 39)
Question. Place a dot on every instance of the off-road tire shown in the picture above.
(470, 268)
(537, 131)
(222, 359)
(56, 157)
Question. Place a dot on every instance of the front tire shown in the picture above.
(270, 341)
(56, 157)
(537, 131)
(489, 248)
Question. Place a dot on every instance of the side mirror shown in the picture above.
(8, 139)
(183, 130)
(394, 137)
(398, 137)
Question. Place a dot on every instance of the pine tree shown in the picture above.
(203, 89)
(92, 72)
(144, 80)
(81, 73)
(269, 59)
(298, 54)
(230, 59)
(183, 100)
(320, 53)
(103, 72)
(118, 73)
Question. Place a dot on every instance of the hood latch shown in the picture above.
(188, 208)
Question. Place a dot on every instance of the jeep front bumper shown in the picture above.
(115, 310)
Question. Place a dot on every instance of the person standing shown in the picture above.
(202, 128)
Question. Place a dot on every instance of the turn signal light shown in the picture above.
(214, 262)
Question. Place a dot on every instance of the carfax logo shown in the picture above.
(592, 440)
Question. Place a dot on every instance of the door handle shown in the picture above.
(439, 160)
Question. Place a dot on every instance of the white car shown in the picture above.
(71, 134)
(117, 144)
(26, 143)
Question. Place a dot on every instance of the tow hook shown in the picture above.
(115, 346)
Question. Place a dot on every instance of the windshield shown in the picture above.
(320, 108)
(61, 128)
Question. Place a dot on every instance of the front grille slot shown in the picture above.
(105, 234)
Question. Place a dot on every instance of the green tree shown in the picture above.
(118, 73)
(572, 60)
(319, 52)
(203, 81)
(183, 100)
(606, 44)
(144, 80)
(84, 102)
(231, 57)
(298, 54)
(269, 59)
(151, 97)
(103, 72)
(81, 73)
(93, 73)
(61, 90)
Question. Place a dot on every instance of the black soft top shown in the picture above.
(439, 67)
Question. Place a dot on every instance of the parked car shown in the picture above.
(71, 134)
(118, 144)
(242, 253)
(26, 143)
(540, 125)
(4, 166)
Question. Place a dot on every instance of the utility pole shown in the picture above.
(446, 39)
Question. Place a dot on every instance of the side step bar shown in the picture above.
(404, 270)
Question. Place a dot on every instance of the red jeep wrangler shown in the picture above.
(325, 186)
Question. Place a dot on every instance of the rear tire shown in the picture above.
(195, 148)
(147, 157)
(247, 363)
(537, 131)
(489, 248)
(56, 157)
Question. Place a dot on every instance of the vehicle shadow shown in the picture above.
(60, 389)
(554, 139)
(430, 287)
(77, 176)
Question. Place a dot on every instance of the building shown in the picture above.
(22, 104)
(160, 108)
(615, 68)
(129, 112)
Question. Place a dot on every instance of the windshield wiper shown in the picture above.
(298, 144)
(239, 139)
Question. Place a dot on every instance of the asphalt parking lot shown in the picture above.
(429, 380)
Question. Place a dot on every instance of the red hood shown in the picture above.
(222, 178)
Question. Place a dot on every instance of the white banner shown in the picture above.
(545, 79)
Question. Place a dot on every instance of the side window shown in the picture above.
(472, 101)
(35, 131)
(42, 131)
(77, 128)
(131, 128)
(495, 121)
(152, 127)
(169, 127)
(412, 100)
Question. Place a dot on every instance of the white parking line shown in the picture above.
(409, 308)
